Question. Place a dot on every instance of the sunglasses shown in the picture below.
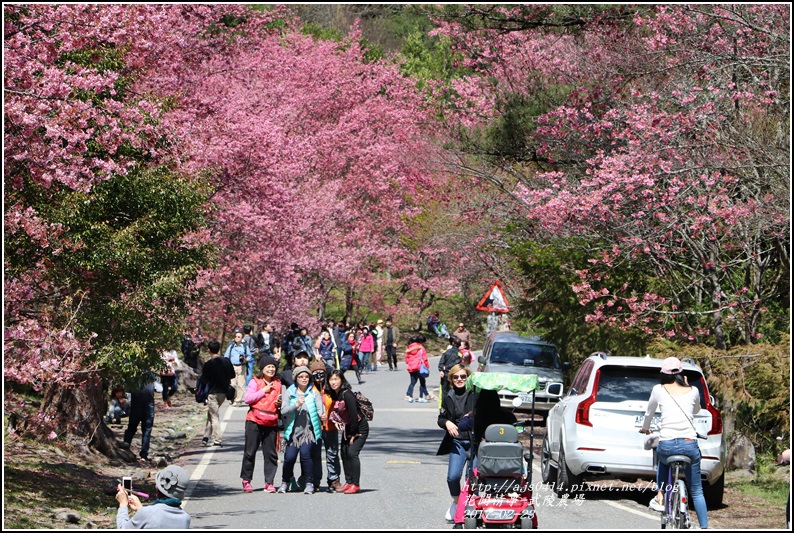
(318, 375)
(460, 376)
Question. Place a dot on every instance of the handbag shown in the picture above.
(231, 393)
(423, 370)
(265, 418)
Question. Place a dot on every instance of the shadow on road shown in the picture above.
(413, 442)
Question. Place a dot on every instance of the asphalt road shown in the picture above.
(403, 481)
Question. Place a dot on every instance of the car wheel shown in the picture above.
(567, 482)
(713, 492)
(547, 472)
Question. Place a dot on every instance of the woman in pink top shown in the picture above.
(415, 359)
(365, 348)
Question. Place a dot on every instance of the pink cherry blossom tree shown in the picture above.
(659, 137)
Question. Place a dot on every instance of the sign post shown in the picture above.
(494, 302)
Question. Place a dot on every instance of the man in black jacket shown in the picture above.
(218, 372)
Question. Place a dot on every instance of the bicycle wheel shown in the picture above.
(673, 508)
(681, 517)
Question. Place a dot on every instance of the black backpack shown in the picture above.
(364, 406)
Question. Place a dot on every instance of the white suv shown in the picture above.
(593, 432)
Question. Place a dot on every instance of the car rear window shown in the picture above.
(620, 384)
(525, 354)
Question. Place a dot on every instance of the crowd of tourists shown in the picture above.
(299, 400)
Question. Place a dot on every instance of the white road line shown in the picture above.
(205, 460)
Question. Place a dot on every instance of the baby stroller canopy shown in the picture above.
(502, 381)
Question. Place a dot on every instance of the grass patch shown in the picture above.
(772, 491)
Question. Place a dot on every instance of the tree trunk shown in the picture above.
(349, 295)
(78, 412)
(423, 305)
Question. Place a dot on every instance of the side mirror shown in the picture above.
(528, 457)
(481, 359)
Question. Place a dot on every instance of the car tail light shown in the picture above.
(716, 420)
(716, 417)
(583, 411)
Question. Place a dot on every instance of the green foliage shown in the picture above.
(122, 268)
(322, 33)
(429, 58)
(553, 311)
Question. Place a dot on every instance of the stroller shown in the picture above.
(499, 488)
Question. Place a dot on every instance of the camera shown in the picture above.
(126, 482)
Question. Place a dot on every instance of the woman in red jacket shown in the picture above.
(418, 367)
(263, 397)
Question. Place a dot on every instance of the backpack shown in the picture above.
(364, 406)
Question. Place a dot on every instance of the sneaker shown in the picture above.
(344, 487)
(334, 486)
(422, 400)
(450, 516)
(409, 399)
(431, 397)
(205, 441)
(656, 505)
(283, 488)
(309, 488)
(269, 488)
(352, 489)
(247, 486)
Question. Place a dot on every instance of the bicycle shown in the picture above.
(676, 499)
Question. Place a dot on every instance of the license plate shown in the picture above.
(526, 398)
(639, 419)
(499, 514)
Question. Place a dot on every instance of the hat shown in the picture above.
(302, 353)
(317, 366)
(172, 481)
(300, 370)
(671, 365)
(380, 321)
(267, 360)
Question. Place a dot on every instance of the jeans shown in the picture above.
(365, 362)
(143, 415)
(256, 435)
(422, 388)
(250, 373)
(457, 461)
(291, 455)
(350, 454)
(169, 386)
(331, 443)
(689, 448)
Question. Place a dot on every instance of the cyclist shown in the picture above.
(679, 403)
